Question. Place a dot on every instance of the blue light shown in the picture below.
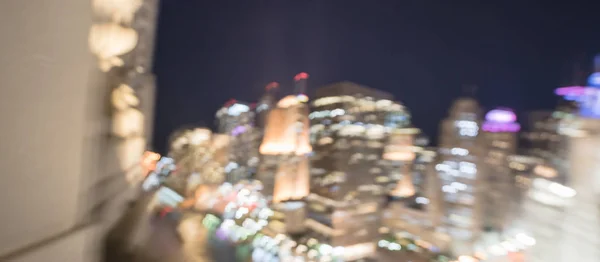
(594, 79)
(590, 104)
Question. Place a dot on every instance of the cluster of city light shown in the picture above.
(404, 241)
(550, 193)
(326, 113)
(366, 104)
(248, 218)
(513, 244)
(516, 243)
(244, 210)
(282, 248)
(459, 169)
(161, 169)
(467, 128)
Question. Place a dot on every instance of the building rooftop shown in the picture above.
(351, 89)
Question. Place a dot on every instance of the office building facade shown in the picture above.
(350, 126)
(461, 180)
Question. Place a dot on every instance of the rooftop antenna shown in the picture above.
(300, 86)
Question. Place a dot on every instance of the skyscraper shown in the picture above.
(462, 182)
(581, 224)
(499, 137)
(237, 120)
(284, 148)
(265, 104)
(348, 133)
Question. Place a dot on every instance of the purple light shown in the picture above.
(501, 116)
(221, 234)
(238, 130)
(496, 127)
(571, 92)
(501, 120)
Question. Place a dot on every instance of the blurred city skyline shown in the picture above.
(423, 54)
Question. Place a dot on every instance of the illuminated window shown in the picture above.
(355, 158)
(325, 141)
(467, 128)
(375, 170)
(356, 142)
(382, 179)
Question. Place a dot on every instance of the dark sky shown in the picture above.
(423, 52)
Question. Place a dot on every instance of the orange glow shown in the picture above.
(300, 76)
(288, 101)
(272, 85)
(188, 203)
(400, 148)
(281, 135)
(405, 187)
(149, 160)
(545, 171)
(291, 183)
(399, 155)
(516, 257)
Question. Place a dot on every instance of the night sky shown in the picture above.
(516, 52)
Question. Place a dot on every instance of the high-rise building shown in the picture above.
(413, 211)
(462, 182)
(349, 130)
(85, 154)
(286, 142)
(237, 120)
(499, 138)
(581, 224)
(284, 166)
(201, 156)
(284, 148)
(265, 104)
(561, 216)
(232, 115)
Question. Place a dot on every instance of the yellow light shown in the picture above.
(288, 101)
(124, 97)
(130, 151)
(399, 156)
(281, 136)
(117, 10)
(302, 98)
(467, 259)
(128, 123)
(405, 188)
(109, 41)
(545, 171)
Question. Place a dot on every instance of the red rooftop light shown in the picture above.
(272, 85)
(301, 76)
(230, 102)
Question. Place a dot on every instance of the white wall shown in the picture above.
(46, 132)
